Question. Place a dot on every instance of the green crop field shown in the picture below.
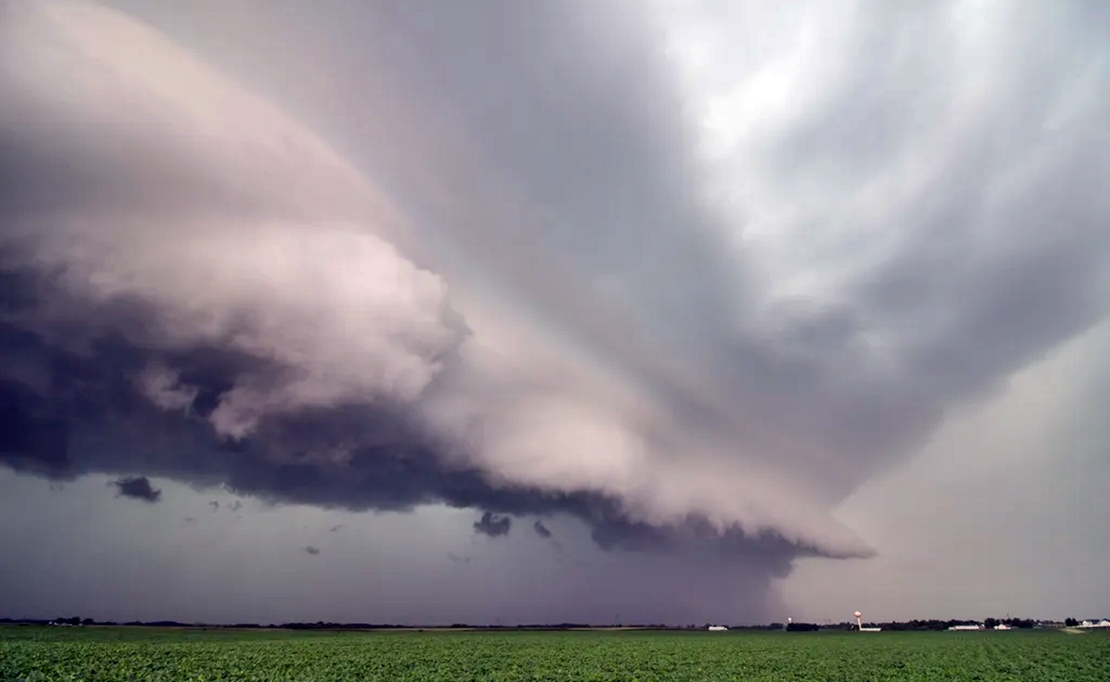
(95, 653)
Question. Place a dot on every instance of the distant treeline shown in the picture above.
(1021, 623)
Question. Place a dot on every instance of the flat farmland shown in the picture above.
(172, 655)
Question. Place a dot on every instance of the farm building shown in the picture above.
(717, 628)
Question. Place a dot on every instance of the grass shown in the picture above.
(120, 653)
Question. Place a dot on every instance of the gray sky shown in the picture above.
(758, 311)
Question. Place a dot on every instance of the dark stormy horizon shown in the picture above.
(556, 311)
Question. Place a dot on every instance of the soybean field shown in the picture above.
(172, 655)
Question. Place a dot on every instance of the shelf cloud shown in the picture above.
(515, 291)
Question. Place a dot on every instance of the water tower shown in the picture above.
(859, 623)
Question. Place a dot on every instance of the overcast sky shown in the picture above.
(557, 311)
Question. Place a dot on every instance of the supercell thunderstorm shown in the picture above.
(197, 286)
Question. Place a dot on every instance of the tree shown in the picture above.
(802, 627)
(1071, 622)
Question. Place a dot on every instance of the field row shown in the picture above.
(122, 654)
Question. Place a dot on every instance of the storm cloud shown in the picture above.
(511, 271)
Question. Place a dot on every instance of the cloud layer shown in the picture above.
(546, 290)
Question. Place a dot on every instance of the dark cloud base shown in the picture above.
(71, 406)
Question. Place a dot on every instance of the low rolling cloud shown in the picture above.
(560, 258)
